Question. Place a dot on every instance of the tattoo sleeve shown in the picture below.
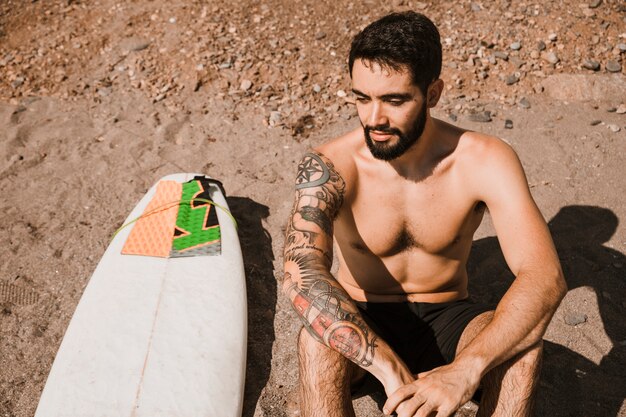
(328, 313)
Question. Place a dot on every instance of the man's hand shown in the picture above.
(438, 392)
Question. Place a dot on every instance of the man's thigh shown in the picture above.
(425, 335)
(474, 327)
(321, 363)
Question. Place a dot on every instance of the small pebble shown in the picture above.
(524, 103)
(17, 82)
(172, 20)
(482, 116)
(508, 124)
(591, 65)
(452, 117)
(613, 66)
(317, 88)
(320, 35)
(511, 79)
(245, 85)
(516, 46)
(612, 109)
(550, 57)
(541, 46)
(621, 109)
(341, 93)
(595, 122)
(614, 128)
(572, 319)
(553, 37)
(135, 44)
(621, 47)
(518, 63)
(595, 3)
(501, 55)
(475, 7)
(274, 118)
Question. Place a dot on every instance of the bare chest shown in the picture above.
(432, 217)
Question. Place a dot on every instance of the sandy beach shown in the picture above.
(99, 99)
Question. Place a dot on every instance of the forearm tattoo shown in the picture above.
(326, 310)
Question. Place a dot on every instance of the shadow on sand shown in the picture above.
(572, 385)
(256, 245)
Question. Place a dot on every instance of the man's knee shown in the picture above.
(531, 357)
(307, 343)
(317, 356)
(526, 363)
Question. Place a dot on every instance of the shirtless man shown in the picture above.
(402, 196)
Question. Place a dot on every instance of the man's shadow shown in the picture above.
(572, 385)
(256, 246)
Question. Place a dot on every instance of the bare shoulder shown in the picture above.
(338, 156)
(489, 165)
(490, 150)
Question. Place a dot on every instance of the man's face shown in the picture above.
(392, 110)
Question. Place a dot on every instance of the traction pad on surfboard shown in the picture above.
(177, 222)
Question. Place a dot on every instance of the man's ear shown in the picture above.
(433, 93)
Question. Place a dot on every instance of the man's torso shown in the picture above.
(404, 238)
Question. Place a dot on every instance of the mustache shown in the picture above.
(383, 129)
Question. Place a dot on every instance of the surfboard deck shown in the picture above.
(155, 336)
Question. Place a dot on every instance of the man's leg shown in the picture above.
(325, 377)
(509, 389)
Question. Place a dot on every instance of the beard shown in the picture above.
(388, 152)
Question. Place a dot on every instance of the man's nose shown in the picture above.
(377, 115)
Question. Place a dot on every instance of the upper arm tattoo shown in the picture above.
(319, 195)
(323, 305)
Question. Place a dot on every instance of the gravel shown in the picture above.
(573, 319)
(613, 66)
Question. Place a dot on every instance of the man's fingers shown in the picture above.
(396, 398)
(442, 412)
(409, 407)
(424, 411)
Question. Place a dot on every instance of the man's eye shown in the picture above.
(396, 102)
(362, 99)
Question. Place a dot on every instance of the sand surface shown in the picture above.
(99, 99)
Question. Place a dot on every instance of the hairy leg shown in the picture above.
(509, 389)
(325, 377)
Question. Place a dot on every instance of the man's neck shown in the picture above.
(419, 161)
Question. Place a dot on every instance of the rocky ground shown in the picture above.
(99, 99)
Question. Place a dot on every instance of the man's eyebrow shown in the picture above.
(396, 96)
(390, 96)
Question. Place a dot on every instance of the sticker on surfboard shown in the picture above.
(179, 221)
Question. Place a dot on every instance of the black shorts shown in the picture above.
(424, 335)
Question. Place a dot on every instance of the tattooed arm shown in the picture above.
(327, 311)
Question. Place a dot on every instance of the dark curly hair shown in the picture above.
(401, 40)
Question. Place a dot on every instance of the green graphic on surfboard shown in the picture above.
(197, 229)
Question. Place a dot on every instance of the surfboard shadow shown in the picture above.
(256, 246)
(571, 384)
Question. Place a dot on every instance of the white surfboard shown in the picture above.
(156, 336)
